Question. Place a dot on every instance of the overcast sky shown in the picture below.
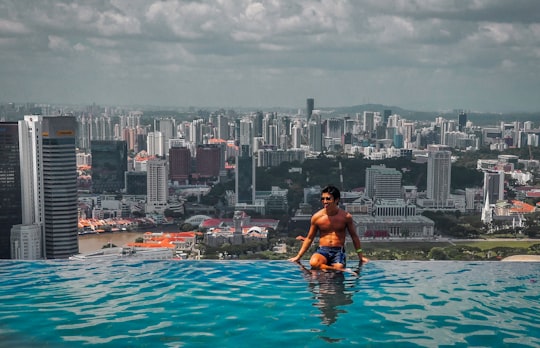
(478, 55)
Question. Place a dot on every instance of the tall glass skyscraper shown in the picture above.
(310, 105)
(245, 176)
(10, 184)
(109, 163)
(49, 181)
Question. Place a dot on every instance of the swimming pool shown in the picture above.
(268, 304)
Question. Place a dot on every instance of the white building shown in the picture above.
(438, 177)
(157, 186)
(26, 242)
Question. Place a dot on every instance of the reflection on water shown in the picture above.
(332, 292)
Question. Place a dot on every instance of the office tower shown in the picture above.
(196, 131)
(369, 121)
(347, 141)
(136, 183)
(222, 127)
(141, 142)
(10, 184)
(383, 183)
(334, 128)
(493, 186)
(398, 141)
(315, 132)
(84, 132)
(258, 124)
(245, 135)
(386, 116)
(310, 105)
(179, 164)
(109, 163)
(439, 168)
(156, 145)
(462, 121)
(167, 128)
(157, 185)
(26, 242)
(49, 181)
(245, 176)
(446, 127)
(349, 126)
(296, 141)
(209, 161)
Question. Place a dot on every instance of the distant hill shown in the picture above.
(478, 118)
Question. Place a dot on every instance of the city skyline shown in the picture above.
(479, 56)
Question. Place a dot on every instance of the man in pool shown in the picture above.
(331, 223)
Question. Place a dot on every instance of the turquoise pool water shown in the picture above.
(268, 304)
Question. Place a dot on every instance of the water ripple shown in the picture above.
(236, 303)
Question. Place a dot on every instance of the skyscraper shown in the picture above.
(438, 176)
(315, 132)
(209, 161)
(383, 183)
(386, 115)
(245, 176)
(179, 164)
(310, 105)
(10, 184)
(49, 181)
(109, 163)
(462, 121)
(493, 186)
(157, 185)
(369, 121)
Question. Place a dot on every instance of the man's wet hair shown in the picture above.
(334, 191)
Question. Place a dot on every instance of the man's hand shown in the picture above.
(362, 261)
(294, 259)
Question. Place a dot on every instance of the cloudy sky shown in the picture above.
(479, 55)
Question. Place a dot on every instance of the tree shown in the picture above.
(437, 253)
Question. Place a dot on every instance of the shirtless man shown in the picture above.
(330, 222)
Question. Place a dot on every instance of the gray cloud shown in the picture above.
(479, 55)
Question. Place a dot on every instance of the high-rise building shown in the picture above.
(49, 182)
(209, 161)
(136, 183)
(245, 135)
(315, 132)
(493, 186)
(334, 128)
(369, 121)
(167, 128)
(386, 115)
(179, 164)
(157, 185)
(462, 121)
(296, 140)
(156, 144)
(310, 105)
(245, 176)
(439, 169)
(258, 124)
(109, 163)
(383, 183)
(223, 127)
(10, 184)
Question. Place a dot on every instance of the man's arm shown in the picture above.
(356, 240)
(307, 241)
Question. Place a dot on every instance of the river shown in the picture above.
(93, 242)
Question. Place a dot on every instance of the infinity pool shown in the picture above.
(268, 304)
